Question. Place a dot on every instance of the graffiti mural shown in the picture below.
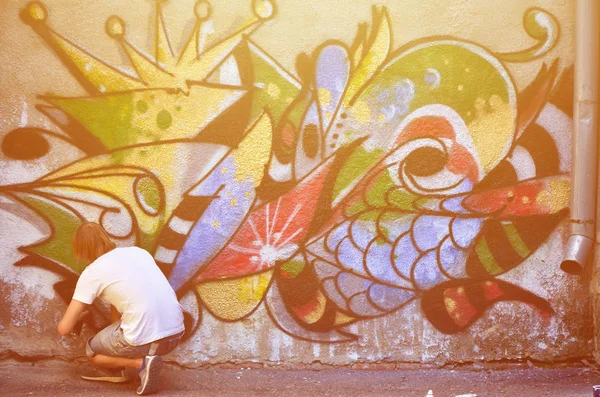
(372, 176)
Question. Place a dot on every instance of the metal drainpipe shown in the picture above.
(584, 167)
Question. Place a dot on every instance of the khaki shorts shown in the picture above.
(111, 342)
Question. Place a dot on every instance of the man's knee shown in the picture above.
(88, 350)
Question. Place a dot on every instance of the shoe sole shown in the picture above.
(150, 384)
(110, 379)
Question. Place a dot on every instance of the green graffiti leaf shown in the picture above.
(293, 267)
(63, 224)
(276, 88)
(358, 162)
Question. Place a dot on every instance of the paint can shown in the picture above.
(596, 390)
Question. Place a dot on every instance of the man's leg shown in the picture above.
(109, 354)
(149, 375)
(116, 362)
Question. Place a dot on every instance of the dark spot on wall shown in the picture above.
(25, 144)
(310, 143)
(164, 119)
(141, 106)
(425, 161)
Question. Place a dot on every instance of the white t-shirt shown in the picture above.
(129, 279)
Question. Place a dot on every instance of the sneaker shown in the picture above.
(149, 375)
(105, 375)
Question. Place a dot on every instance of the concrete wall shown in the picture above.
(331, 182)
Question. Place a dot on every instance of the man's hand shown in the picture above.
(75, 312)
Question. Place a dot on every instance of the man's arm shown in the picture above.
(74, 312)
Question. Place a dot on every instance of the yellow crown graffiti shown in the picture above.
(168, 96)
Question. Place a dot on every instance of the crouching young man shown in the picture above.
(151, 320)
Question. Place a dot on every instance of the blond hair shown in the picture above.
(91, 241)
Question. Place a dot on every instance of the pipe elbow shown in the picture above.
(577, 253)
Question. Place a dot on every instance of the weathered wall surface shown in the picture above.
(331, 182)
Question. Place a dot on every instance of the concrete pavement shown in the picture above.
(57, 378)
